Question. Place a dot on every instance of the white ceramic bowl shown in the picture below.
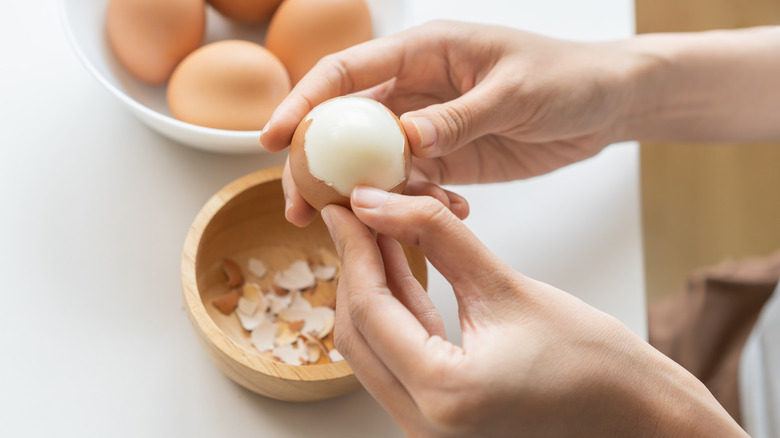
(84, 23)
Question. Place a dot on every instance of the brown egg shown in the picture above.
(149, 38)
(346, 142)
(230, 84)
(303, 31)
(246, 11)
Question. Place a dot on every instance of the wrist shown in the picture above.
(665, 400)
(701, 86)
(644, 78)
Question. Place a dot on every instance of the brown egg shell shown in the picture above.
(150, 38)
(316, 191)
(229, 84)
(301, 32)
(246, 11)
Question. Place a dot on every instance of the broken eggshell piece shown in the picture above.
(318, 321)
(282, 323)
(296, 277)
(264, 335)
(257, 267)
(324, 273)
(345, 142)
(251, 322)
(292, 354)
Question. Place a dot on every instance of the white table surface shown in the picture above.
(94, 208)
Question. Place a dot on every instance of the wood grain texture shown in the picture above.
(246, 218)
(699, 15)
(704, 203)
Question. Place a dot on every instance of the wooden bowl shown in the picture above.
(246, 217)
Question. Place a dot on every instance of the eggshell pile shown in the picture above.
(230, 84)
(303, 31)
(346, 142)
(149, 38)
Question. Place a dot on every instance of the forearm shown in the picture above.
(704, 87)
(660, 399)
(677, 404)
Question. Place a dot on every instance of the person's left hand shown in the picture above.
(479, 103)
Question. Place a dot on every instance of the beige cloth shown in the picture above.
(705, 325)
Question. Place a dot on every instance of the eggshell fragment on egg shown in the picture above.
(149, 38)
(230, 84)
(346, 142)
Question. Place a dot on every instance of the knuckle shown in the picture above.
(432, 216)
(336, 72)
(457, 118)
(445, 411)
(358, 307)
(342, 341)
(423, 216)
(352, 247)
(362, 306)
(346, 342)
(453, 406)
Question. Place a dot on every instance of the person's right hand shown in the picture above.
(479, 103)
(534, 360)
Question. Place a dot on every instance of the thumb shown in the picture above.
(479, 278)
(442, 128)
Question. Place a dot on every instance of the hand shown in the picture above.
(534, 362)
(478, 103)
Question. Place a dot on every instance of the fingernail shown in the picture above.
(326, 217)
(262, 133)
(369, 197)
(287, 205)
(425, 130)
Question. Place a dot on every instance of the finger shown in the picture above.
(439, 129)
(296, 210)
(397, 338)
(368, 368)
(405, 287)
(456, 203)
(356, 68)
(378, 92)
(479, 278)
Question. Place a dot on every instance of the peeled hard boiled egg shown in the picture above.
(303, 31)
(150, 37)
(229, 84)
(346, 142)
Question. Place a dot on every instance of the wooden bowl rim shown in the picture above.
(197, 310)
